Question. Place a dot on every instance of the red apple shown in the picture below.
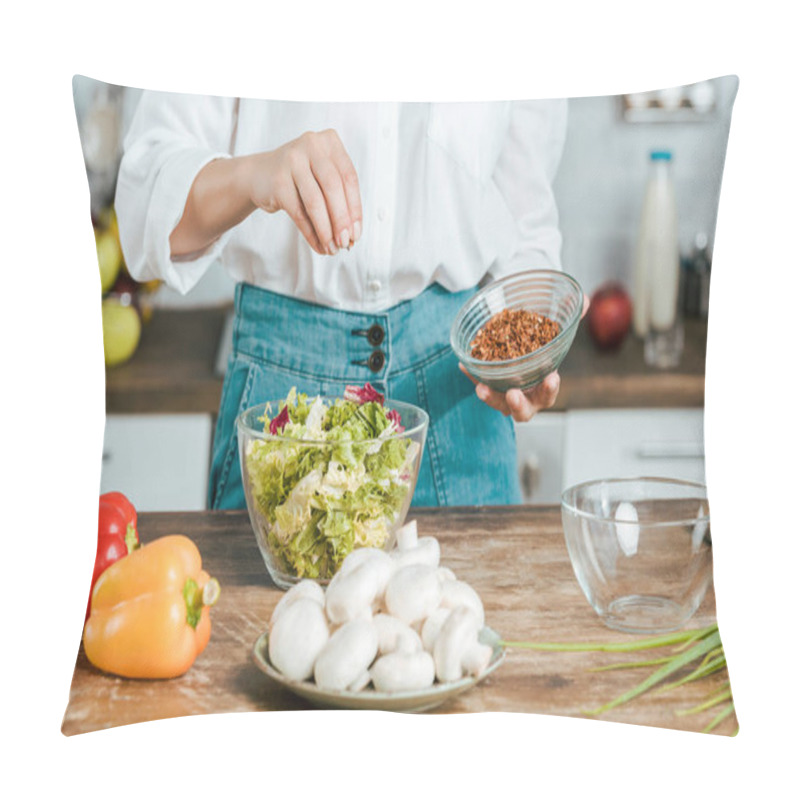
(610, 315)
(124, 284)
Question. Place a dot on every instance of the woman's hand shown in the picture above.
(522, 406)
(313, 180)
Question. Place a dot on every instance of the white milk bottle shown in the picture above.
(657, 269)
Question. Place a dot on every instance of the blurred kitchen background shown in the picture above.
(616, 415)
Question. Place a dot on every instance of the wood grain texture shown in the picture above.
(515, 558)
(173, 370)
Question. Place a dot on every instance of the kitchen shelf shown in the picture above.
(174, 370)
(593, 379)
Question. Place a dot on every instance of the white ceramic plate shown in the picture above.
(369, 699)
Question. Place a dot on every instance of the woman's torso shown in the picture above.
(431, 210)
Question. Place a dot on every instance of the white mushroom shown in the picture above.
(395, 636)
(361, 682)
(346, 656)
(305, 588)
(378, 560)
(362, 554)
(413, 593)
(350, 594)
(426, 551)
(445, 574)
(457, 651)
(400, 672)
(406, 536)
(398, 620)
(364, 613)
(477, 658)
(354, 558)
(460, 593)
(433, 624)
(298, 636)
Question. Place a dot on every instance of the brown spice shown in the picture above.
(511, 334)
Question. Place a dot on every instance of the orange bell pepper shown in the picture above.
(150, 611)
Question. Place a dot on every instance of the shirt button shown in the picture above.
(376, 360)
(375, 335)
(381, 214)
(374, 286)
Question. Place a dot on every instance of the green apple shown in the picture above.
(109, 256)
(122, 329)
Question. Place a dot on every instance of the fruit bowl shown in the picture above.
(313, 498)
(551, 293)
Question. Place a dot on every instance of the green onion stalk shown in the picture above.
(699, 649)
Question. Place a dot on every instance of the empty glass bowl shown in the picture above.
(313, 502)
(640, 549)
(549, 292)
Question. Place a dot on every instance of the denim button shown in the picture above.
(376, 360)
(375, 335)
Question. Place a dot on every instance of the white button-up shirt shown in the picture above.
(451, 193)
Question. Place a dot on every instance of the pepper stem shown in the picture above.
(196, 599)
(131, 538)
(211, 592)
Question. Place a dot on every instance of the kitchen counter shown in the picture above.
(593, 379)
(516, 559)
(173, 371)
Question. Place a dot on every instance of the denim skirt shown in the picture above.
(404, 352)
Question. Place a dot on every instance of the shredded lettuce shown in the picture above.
(321, 501)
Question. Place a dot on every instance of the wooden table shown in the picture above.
(514, 557)
(173, 370)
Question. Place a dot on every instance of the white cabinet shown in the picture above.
(540, 457)
(627, 443)
(160, 461)
(557, 450)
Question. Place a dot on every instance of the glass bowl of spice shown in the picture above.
(517, 330)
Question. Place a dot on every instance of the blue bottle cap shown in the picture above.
(660, 155)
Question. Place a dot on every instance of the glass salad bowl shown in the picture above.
(551, 293)
(640, 549)
(325, 475)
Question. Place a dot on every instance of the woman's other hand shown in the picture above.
(518, 404)
(522, 406)
(313, 180)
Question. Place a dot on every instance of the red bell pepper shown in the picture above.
(117, 534)
(123, 504)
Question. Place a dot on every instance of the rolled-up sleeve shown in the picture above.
(171, 138)
(524, 176)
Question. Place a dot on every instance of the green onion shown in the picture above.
(715, 700)
(726, 712)
(701, 648)
(616, 647)
(631, 664)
